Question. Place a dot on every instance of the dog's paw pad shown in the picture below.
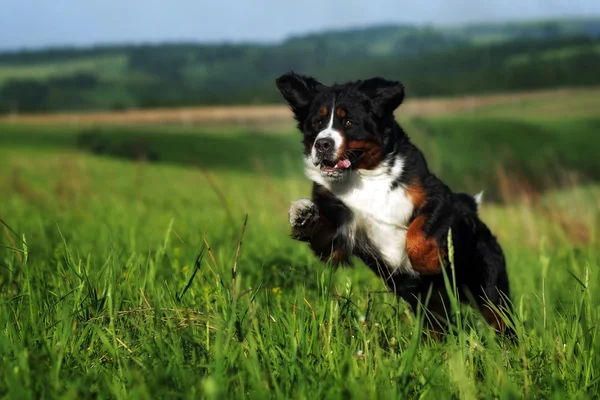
(302, 212)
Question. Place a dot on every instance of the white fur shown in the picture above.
(381, 214)
(478, 198)
(328, 132)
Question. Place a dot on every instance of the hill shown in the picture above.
(429, 60)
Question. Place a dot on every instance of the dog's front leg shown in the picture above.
(311, 223)
(305, 220)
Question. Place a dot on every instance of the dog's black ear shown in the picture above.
(385, 95)
(298, 91)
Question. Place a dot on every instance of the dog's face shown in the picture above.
(345, 127)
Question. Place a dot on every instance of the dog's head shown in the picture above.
(346, 127)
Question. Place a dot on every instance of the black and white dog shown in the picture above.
(374, 197)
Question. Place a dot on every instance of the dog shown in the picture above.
(374, 197)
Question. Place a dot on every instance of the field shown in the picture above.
(154, 261)
(105, 66)
(557, 103)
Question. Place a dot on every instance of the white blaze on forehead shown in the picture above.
(329, 132)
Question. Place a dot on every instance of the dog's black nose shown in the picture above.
(324, 145)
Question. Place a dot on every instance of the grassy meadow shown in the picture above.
(155, 262)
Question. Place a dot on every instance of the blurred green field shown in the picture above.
(430, 60)
(107, 66)
(119, 246)
(565, 52)
(554, 107)
(471, 151)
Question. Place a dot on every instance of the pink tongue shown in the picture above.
(343, 164)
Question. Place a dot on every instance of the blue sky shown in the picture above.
(39, 23)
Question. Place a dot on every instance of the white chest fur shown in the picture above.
(381, 215)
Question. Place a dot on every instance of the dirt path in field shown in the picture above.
(274, 114)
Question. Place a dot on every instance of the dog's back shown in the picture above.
(471, 202)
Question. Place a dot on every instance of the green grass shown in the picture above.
(108, 288)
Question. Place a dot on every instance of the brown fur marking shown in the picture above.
(337, 257)
(343, 148)
(493, 318)
(323, 111)
(340, 112)
(417, 195)
(372, 156)
(423, 252)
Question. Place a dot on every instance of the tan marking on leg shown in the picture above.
(423, 252)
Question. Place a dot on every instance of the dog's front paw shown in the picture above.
(303, 215)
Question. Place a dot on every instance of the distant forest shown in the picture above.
(430, 61)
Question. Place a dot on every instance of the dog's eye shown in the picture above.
(347, 123)
(319, 122)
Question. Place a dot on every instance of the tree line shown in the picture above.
(429, 62)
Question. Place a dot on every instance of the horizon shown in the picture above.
(65, 24)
